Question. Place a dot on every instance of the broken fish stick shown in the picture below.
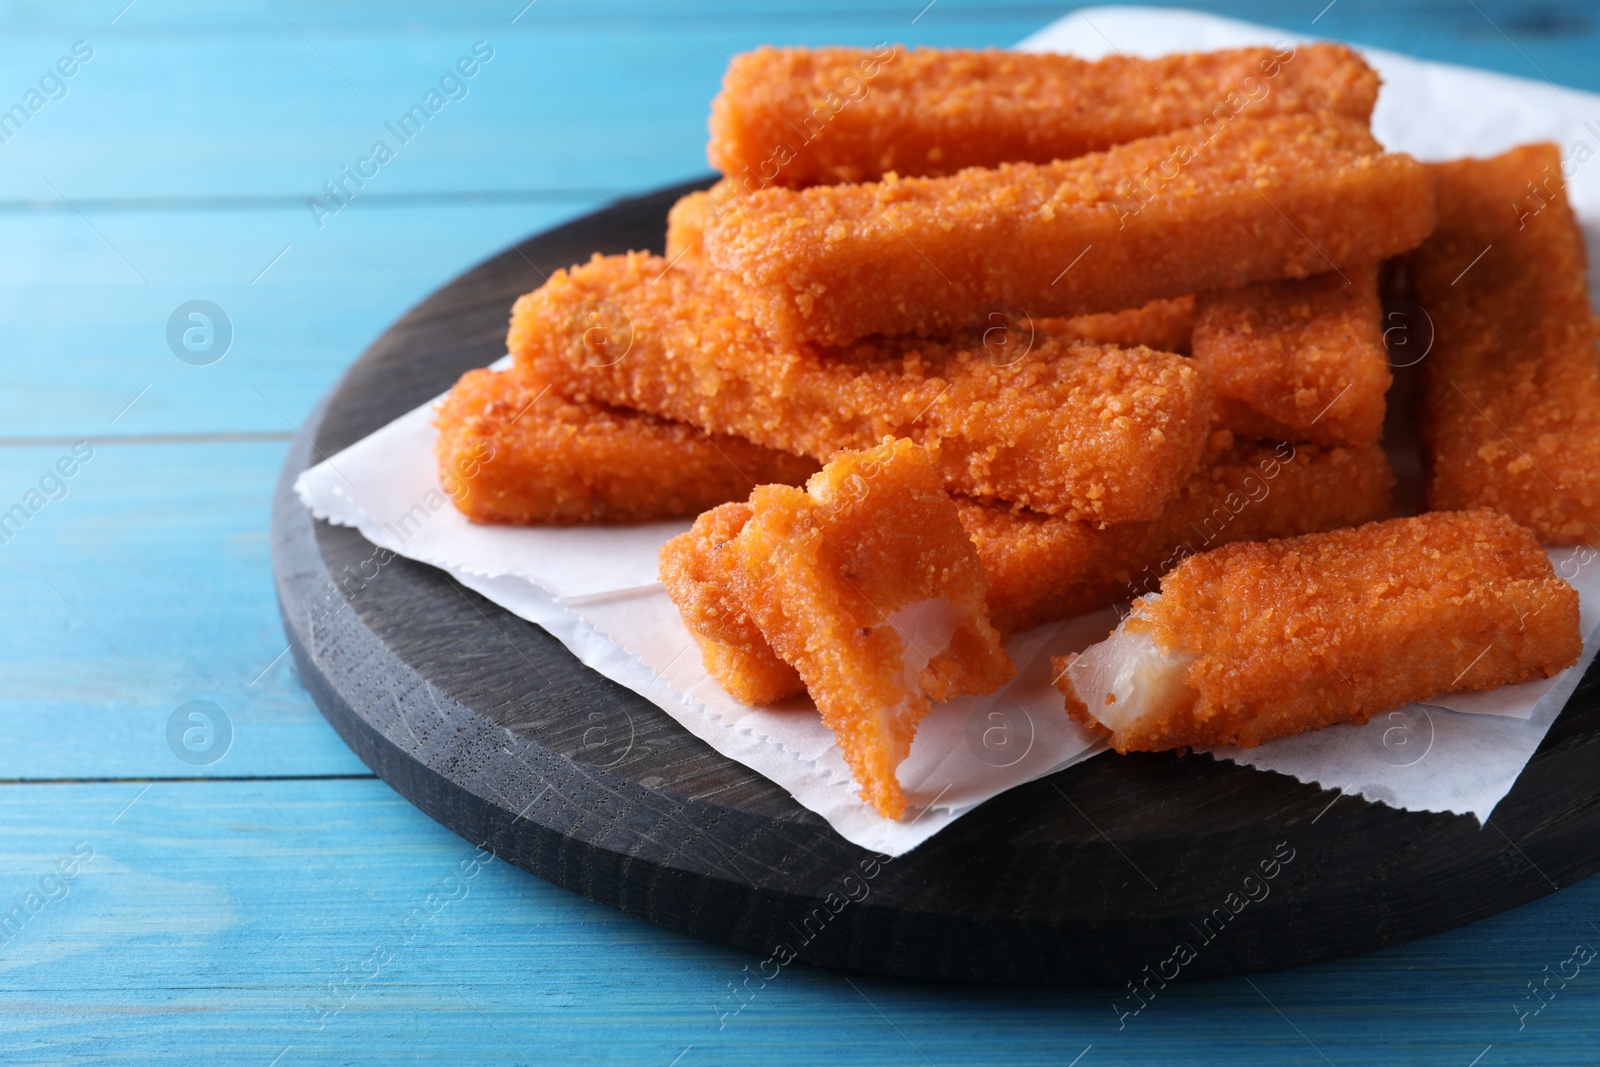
(1042, 568)
(1092, 432)
(802, 116)
(512, 451)
(1181, 213)
(867, 584)
(1164, 325)
(1300, 360)
(1511, 387)
(697, 568)
(1262, 639)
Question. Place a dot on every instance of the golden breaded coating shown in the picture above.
(1164, 325)
(867, 584)
(1511, 388)
(1258, 640)
(688, 218)
(698, 570)
(815, 116)
(510, 450)
(1298, 360)
(686, 223)
(1260, 199)
(1042, 568)
(1079, 430)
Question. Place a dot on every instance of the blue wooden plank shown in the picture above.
(570, 101)
(187, 16)
(1561, 19)
(228, 921)
(86, 333)
(142, 583)
(563, 106)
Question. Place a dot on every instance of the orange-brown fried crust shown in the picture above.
(512, 451)
(1260, 199)
(1164, 325)
(686, 224)
(1302, 633)
(698, 570)
(1298, 360)
(867, 584)
(1042, 568)
(801, 116)
(1511, 388)
(1076, 709)
(1086, 431)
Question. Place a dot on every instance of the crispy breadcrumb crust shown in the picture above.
(686, 223)
(1013, 413)
(1511, 388)
(802, 116)
(698, 570)
(512, 451)
(823, 572)
(1259, 199)
(1164, 325)
(1299, 360)
(1302, 633)
(1042, 568)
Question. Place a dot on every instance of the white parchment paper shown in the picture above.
(595, 588)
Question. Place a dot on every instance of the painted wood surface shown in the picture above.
(188, 146)
(146, 585)
(221, 922)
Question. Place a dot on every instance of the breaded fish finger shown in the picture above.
(1164, 325)
(512, 451)
(1086, 431)
(867, 584)
(802, 116)
(698, 570)
(1511, 387)
(1042, 568)
(1299, 360)
(1180, 213)
(1258, 640)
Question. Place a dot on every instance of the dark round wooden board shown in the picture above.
(1089, 876)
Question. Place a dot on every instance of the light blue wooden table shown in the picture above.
(280, 905)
